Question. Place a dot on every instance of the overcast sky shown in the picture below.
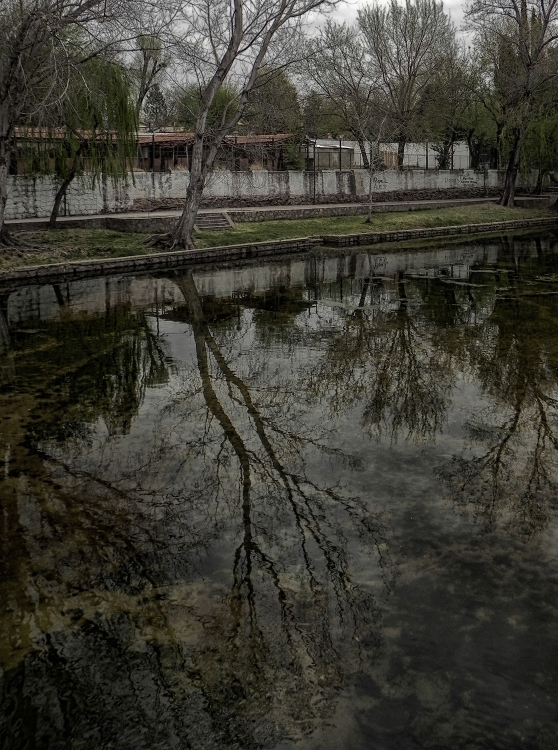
(347, 10)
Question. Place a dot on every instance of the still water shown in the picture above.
(299, 506)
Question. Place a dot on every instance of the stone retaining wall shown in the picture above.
(79, 269)
(238, 202)
(33, 197)
(312, 212)
(160, 223)
(373, 238)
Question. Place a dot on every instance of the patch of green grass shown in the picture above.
(59, 245)
(390, 221)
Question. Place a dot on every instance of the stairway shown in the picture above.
(213, 221)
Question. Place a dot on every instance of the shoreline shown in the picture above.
(77, 269)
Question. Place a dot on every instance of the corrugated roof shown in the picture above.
(144, 139)
(176, 137)
(160, 138)
(51, 134)
(244, 140)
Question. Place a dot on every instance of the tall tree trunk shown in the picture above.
(401, 143)
(512, 170)
(5, 338)
(183, 233)
(474, 150)
(540, 177)
(4, 166)
(58, 199)
(371, 172)
(66, 182)
(200, 167)
(499, 143)
(362, 147)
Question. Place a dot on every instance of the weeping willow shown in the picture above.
(92, 132)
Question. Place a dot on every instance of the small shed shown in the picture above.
(318, 156)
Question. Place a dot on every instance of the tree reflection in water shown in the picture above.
(509, 472)
(181, 564)
(120, 638)
(398, 360)
(385, 359)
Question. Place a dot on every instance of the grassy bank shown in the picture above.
(80, 244)
(381, 222)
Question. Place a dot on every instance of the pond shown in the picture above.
(303, 505)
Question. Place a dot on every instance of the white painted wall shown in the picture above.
(33, 197)
(415, 153)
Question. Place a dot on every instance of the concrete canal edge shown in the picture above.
(79, 269)
(373, 238)
(157, 261)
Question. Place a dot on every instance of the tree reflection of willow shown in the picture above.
(511, 471)
(388, 361)
(127, 641)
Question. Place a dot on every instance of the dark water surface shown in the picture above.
(310, 504)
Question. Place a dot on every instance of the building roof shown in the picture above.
(175, 138)
(54, 134)
(162, 138)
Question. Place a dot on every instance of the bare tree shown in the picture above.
(405, 44)
(519, 42)
(445, 104)
(37, 52)
(96, 118)
(339, 67)
(375, 163)
(150, 60)
(228, 42)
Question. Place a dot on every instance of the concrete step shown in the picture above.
(204, 221)
(213, 221)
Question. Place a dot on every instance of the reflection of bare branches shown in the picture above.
(515, 477)
(511, 473)
(266, 478)
(205, 556)
(390, 364)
